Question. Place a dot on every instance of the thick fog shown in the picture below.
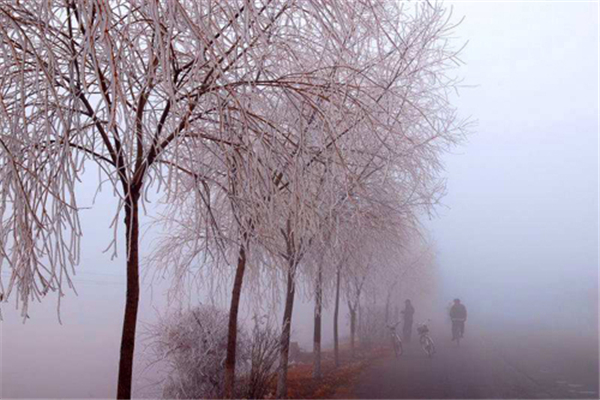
(519, 239)
(516, 237)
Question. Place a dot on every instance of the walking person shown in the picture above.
(408, 313)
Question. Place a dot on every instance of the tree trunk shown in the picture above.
(359, 316)
(317, 334)
(229, 384)
(286, 331)
(132, 298)
(387, 309)
(335, 319)
(352, 328)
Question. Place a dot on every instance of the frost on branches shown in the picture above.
(191, 348)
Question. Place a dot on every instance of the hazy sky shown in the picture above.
(518, 235)
(522, 223)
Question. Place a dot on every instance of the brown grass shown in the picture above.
(336, 382)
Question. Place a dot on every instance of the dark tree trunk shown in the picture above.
(359, 332)
(229, 384)
(387, 309)
(352, 328)
(132, 298)
(286, 331)
(335, 319)
(317, 334)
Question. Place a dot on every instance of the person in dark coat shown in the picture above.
(458, 314)
(408, 313)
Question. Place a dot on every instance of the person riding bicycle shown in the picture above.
(408, 313)
(458, 314)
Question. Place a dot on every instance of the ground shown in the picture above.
(485, 368)
(529, 365)
(336, 382)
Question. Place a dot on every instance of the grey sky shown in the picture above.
(520, 224)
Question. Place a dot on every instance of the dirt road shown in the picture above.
(527, 367)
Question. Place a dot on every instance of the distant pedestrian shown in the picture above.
(458, 313)
(408, 313)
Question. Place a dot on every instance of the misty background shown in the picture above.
(516, 238)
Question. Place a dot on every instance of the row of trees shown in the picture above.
(189, 347)
(293, 141)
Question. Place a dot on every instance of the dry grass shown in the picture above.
(336, 382)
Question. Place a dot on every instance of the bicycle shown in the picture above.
(396, 341)
(457, 329)
(426, 341)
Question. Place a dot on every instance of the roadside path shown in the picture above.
(480, 369)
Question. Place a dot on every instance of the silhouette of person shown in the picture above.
(458, 313)
(408, 313)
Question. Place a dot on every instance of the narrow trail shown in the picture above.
(482, 368)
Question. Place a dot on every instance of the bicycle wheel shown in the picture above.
(428, 346)
(400, 348)
(397, 346)
(455, 333)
